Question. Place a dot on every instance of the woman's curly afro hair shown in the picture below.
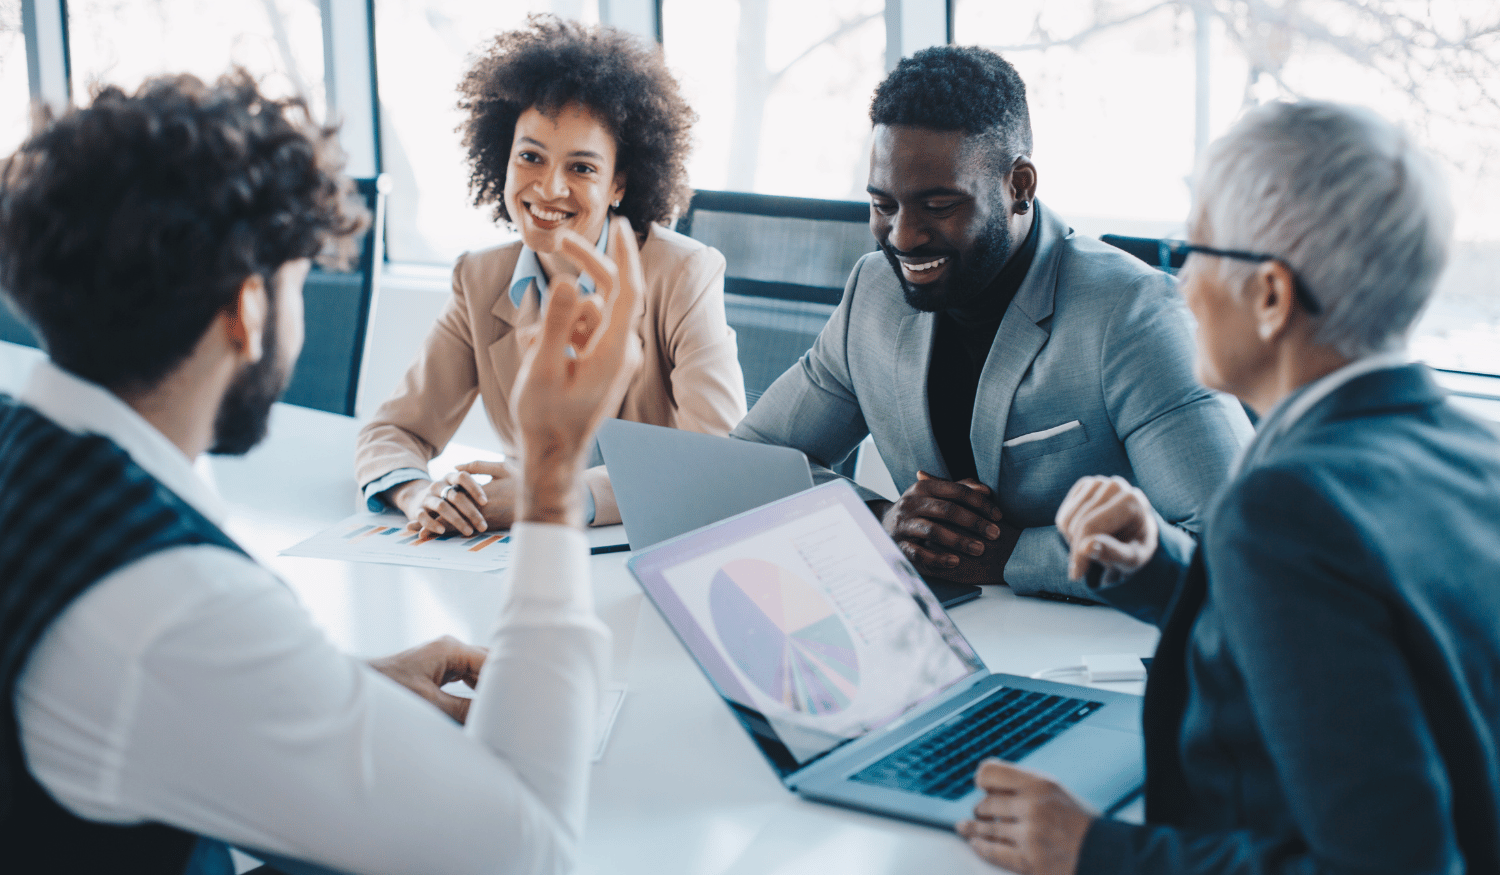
(619, 77)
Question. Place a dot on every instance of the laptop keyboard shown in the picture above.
(1009, 725)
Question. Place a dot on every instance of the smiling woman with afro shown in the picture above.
(568, 127)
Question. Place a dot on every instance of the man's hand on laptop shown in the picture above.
(1026, 823)
(951, 530)
(576, 368)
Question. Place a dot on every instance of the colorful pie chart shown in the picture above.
(785, 636)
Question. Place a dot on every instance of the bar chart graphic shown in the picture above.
(383, 538)
(784, 635)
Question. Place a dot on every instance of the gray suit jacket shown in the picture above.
(1090, 373)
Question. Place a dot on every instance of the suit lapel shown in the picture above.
(1015, 347)
(505, 353)
(1017, 342)
(913, 362)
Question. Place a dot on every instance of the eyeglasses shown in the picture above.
(1299, 288)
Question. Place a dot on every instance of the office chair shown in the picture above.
(1151, 250)
(787, 260)
(336, 307)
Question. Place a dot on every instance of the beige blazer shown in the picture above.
(690, 376)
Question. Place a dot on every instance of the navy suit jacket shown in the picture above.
(1326, 693)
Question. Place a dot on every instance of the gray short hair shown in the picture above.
(1345, 197)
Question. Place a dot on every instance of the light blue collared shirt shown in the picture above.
(529, 270)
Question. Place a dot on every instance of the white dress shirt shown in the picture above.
(190, 688)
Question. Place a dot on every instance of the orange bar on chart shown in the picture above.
(485, 543)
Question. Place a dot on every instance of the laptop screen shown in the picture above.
(808, 620)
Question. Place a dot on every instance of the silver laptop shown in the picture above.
(668, 481)
(854, 682)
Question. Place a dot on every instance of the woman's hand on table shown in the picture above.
(1108, 521)
(458, 502)
(425, 670)
(1026, 822)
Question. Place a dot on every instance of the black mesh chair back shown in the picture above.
(1152, 250)
(337, 306)
(787, 261)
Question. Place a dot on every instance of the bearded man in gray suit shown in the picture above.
(995, 355)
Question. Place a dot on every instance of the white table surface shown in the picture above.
(681, 788)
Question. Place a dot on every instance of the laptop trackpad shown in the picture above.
(1100, 766)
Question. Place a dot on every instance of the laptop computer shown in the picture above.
(668, 481)
(853, 681)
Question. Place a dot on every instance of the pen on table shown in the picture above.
(609, 548)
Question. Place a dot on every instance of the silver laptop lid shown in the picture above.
(808, 621)
(668, 481)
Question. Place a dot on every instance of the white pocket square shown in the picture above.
(1043, 434)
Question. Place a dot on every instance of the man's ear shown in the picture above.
(246, 318)
(1271, 297)
(1023, 180)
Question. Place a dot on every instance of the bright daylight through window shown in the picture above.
(1124, 93)
(422, 48)
(121, 42)
(14, 90)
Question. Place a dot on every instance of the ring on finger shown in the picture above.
(447, 491)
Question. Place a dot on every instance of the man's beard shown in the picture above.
(967, 279)
(245, 411)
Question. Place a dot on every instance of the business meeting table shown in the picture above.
(680, 787)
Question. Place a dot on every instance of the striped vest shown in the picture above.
(73, 508)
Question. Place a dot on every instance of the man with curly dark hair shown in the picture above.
(994, 354)
(161, 694)
(568, 127)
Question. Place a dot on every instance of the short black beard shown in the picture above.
(969, 279)
(245, 411)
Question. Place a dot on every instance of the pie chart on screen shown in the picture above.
(784, 635)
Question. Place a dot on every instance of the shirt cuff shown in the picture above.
(590, 509)
(549, 572)
(372, 490)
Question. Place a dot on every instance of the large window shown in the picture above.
(422, 49)
(15, 90)
(1123, 94)
(121, 42)
(782, 89)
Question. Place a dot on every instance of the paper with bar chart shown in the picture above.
(784, 635)
(382, 538)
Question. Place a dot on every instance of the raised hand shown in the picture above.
(1108, 521)
(575, 371)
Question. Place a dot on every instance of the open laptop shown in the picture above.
(668, 481)
(854, 682)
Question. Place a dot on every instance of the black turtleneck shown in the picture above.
(960, 346)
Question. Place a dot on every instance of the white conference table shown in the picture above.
(680, 788)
